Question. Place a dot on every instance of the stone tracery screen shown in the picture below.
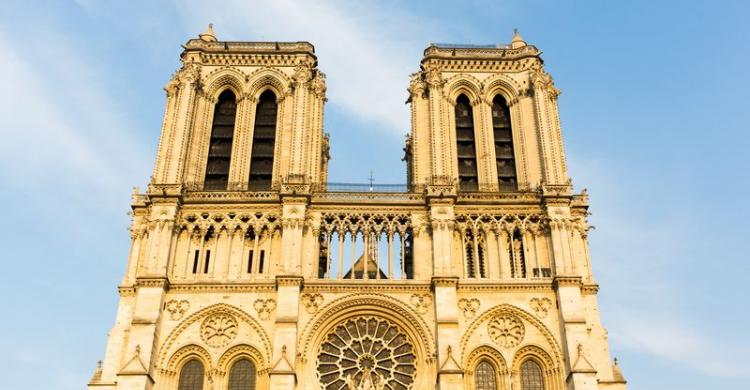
(366, 352)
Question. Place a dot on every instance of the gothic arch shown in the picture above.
(222, 79)
(489, 354)
(463, 84)
(535, 352)
(503, 85)
(268, 78)
(185, 354)
(205, 312)
(380, 305)
(556, 355)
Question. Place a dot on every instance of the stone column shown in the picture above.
(450, 373)
(282, 374)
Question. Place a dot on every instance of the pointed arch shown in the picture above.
(268, 78)
(224, 78)
(502, 132)
(485, 355)
(263, 150)
(243, 318)
(463, 84)
(501, 84)
(466, 149)
(553, 348)
(222, 137)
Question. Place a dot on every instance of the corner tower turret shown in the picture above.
(243, 115)
(484, 118)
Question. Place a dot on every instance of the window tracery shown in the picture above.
(191, 376)
(220, 145)
(504, 152)
(264, 141)
(465, 146)
(367, 352)
(242, 375)
(532, 377)
(485, 376)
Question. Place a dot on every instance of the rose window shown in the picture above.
(506, 330)
(366, 353)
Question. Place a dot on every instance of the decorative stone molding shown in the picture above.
(421, 302)
(219, 329)
(540, 306)
(177, 308)
(469, 306)
(264, 307)
(506, 330)
(312, 302)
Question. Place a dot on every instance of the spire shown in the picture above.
(517, 40)
(208, 35)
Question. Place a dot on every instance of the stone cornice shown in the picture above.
(445, 281)
(505, 285)
(567, 281)
(268, 286)
(289, 280)
(370, 285)
(152, 281)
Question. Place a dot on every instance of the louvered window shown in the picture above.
(264, 142)
(467, 155)
(220, 146)
(485, 377)
(503, 134)
(242, 375)
(191, 376)
(531, 376)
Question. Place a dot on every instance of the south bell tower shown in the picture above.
(248, 271)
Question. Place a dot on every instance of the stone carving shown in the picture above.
(177, 308)
(219, 329)
(540, 306)
(469, 306)
(366, 353)
(421, 302)
(312, 302)
(264, 307)
(506, 330)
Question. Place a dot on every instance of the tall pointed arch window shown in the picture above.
(264, 141)
(503, 134)
(532, 377)
(242, 375)
(220, 146)
(485, 377)
(465, 146)
(191, 376)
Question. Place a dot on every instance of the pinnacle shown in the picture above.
(517, 40)
(208, 35)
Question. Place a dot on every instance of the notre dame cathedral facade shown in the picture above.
(248, 270)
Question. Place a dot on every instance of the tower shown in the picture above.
(246, 271)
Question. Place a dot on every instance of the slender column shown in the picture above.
(354, 253)
(463, 254)
(341, 255)
(243, 265)
(189, 259)
(267, 259)
(403, 255)
(256, 267)
(475, 250)
(536, 253)
(328, 255)
(515, 270)
(366, 241)
(390, 255)
(376, 254)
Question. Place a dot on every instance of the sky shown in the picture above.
(654, 113)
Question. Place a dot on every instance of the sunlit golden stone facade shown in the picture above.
(247, 270)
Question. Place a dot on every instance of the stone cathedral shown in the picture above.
(249, 270)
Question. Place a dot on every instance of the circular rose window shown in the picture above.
(366, 353)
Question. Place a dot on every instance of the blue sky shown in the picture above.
(654, 111)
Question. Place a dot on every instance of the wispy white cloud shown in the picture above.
(60, 129)
(367, 50)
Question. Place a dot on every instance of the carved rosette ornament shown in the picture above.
(421, 302)
(506, 330)
(469, 306)
(312, 302)
(177, 308)
(540, 306)
(366, 353)
(264, 307)
(217, 330)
